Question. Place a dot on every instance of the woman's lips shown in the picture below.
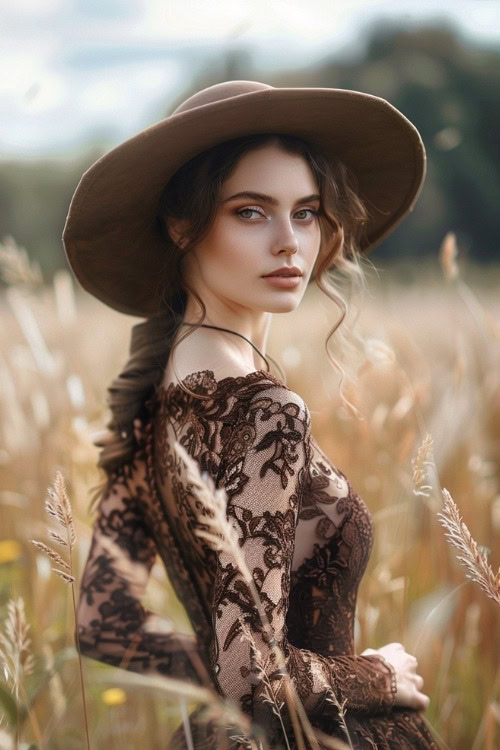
(285, 282)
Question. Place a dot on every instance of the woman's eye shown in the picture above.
(245, 213)
(250, 210)
(305, 210)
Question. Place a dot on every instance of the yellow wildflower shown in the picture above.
(10, 550)
(113, 696)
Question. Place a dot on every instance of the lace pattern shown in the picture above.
(304, 532)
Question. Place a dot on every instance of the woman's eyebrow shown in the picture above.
(268, 199)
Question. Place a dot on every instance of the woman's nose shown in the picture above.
(286, 238)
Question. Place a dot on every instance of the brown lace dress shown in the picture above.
(306, 536)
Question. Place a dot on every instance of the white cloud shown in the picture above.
(45, 94)
(18, 71)
(117, 92)
(198, 20)
(34, 9)
(71, 67)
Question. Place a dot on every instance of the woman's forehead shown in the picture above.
(270, 168)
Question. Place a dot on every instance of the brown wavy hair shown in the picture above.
(192, 194)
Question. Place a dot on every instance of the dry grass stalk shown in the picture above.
(15, 646)
(332, 698)
(58, 699)
(170, 685)
(259, 671)
(18, 661)
(482, 317)
(29, 324)
(448, 255)
(421, 465)
(474, 559)
(53, 556)
(221, 712)
(244, 742)
(226, 715)
(58, 506)
(185, 723)
(16, 267)
(64, 297)
(223, 537)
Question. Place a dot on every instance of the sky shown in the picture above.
(72, 71)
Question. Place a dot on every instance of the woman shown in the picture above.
(192, 224)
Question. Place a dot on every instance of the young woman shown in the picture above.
(206, 224)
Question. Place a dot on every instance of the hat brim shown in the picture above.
(111, 236)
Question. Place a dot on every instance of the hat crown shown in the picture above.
(219, 92)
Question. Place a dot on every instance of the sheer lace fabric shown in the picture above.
(305, 535)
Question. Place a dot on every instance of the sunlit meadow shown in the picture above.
(429, 391)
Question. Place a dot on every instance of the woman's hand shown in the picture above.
(409, 683)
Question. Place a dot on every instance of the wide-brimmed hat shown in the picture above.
(111, 235)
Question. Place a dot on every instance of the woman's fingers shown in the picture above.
(410, 683)
(424, 702)
(419, 681)
(412, 662)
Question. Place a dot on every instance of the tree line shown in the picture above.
(449, 88)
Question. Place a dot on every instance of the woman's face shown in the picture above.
(253, 235)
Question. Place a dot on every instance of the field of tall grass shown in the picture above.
(425, 459)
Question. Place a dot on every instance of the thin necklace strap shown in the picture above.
(204, 325)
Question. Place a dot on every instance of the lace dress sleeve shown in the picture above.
(264, 470)
(113, 626)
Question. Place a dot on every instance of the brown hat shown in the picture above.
(111, 236)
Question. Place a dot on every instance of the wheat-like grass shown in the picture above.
(16, 267)
(484, 319)
(17, 658)
(29, 324)
(57, 505)
(332, 698)
(15, 645)
(259, 673)
(421, 465)
(472, 557)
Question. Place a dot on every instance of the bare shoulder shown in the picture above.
(202, 352)
(220, 369)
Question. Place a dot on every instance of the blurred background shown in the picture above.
(77, 77)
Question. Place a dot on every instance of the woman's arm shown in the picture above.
(264, 470)
(113, 626)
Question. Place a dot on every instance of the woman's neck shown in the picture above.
(231, 346)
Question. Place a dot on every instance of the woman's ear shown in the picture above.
(176, 228)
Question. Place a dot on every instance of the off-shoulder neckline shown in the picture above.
(171, 388)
